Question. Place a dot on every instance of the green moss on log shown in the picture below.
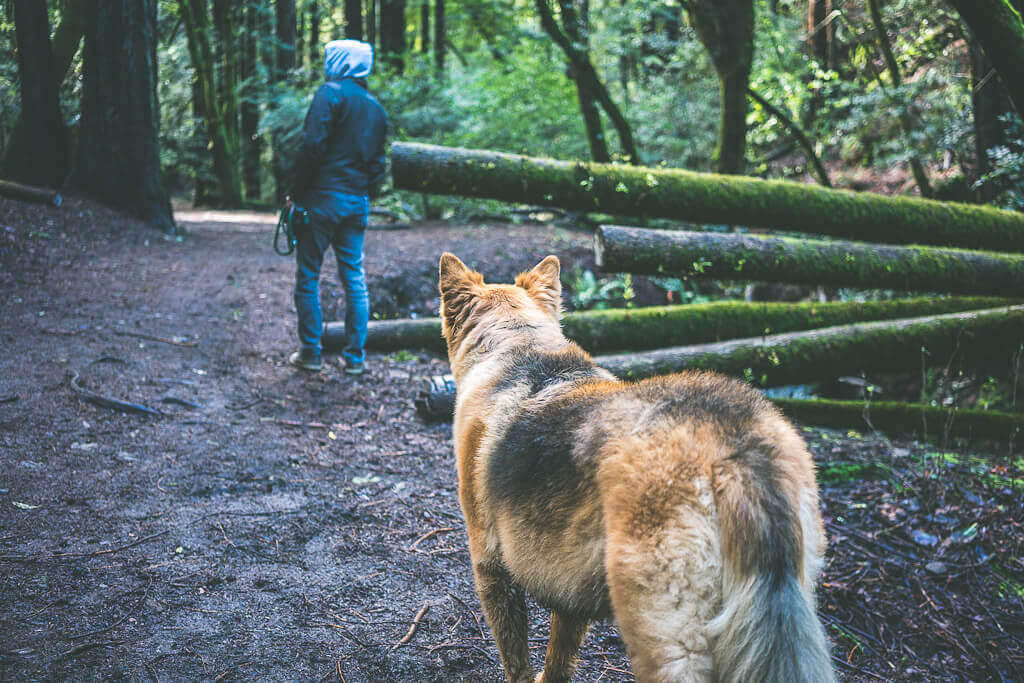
(798, 357)
(660, 326)
(932, 423)
(834, 263)
(703, 198)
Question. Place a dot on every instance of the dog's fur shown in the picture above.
(685, 507)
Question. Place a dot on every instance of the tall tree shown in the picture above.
(424, 26)
(219, 106)
(906, 122)
(354, 19)
(252, 143)
(285, 62)
(440, 37)
(314, 34)
(392, 33)
(371, 22)
(998, 26)
(726, 29)
(118, 158)
(590, 90)
(39, 155)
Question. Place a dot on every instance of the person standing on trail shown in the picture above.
(339, 166)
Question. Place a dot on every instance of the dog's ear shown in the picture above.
(459, 285)
(544, 285)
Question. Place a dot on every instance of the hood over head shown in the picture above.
(347, 59)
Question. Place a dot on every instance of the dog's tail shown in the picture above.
(768, 629)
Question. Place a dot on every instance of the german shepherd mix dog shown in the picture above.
(685, 507)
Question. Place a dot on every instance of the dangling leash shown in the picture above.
(286, 225)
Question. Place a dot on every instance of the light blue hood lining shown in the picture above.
(347, 59)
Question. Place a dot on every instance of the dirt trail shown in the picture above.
(289, 527)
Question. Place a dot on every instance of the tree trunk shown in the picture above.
(118, 159)
(702, 198)
(589, 86)
(916, 166)
(932, 423)
(315, 54)
(38, 153)
(300, 39)
(726, 29)
(998, 26)
(354, 20)
(371, 22)
(392, 33)
(220, 127)
(252, 143)
(798, 357)
(655, 327)
(284, 30)
(424, 26)
(439, 35)
(811, 262)
(225, 21)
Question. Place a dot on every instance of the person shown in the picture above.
(339, 165)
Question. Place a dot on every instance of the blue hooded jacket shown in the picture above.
(341, 158)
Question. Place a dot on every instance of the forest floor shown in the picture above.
(292, 527)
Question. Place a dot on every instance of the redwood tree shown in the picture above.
(118, 159)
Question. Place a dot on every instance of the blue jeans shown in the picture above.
(346, 238)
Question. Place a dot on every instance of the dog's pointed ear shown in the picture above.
(451, 271)
(543, 283)
(459, 285)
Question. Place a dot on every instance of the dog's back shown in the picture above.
(685, 506)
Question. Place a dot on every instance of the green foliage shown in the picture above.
(589, 292)
(1007, 175)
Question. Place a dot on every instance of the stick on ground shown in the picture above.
(412, 628)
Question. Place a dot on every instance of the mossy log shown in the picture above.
(815, 262)
(621, 329)
(29, 193)
(929, 422)
(702, 198)
(798, 357)
(437, 403)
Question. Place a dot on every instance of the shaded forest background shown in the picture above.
(895, 96)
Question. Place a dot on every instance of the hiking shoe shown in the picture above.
(354, 368)
(307, 360)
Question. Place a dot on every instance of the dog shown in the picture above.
(685, 507)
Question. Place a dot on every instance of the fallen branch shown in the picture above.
(108, 402)
(702, 198)
(655, 327)
(412, 628)
(295, 423)
(29, 193)
(814, 262)
(176, 341)
(432, 532)
(9, 399)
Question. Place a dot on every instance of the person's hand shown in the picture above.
(288, 201)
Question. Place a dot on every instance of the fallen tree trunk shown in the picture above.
(814, 262)
(28, 193)
(798, 357)
(655, 327)
(702, 198)
(437, 403)
(930, 422)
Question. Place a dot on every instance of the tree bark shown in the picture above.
(726, 29)
(589, 87)
(655, 327)
(220, 127)
(284, 30)
(354, 20)
(721, 256)
(371, 22)
(424, 26)
(998, 26)
(118, 159)
(798, 135)
(932, 423)
(37, 154)
(798, 357)
(252, 143)
(392, 33)
(314, 36)
(916, 166)
(702, 198)
(439, 35)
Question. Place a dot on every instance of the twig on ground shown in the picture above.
(79, 556)
(120, 621)
(412, 628)
(10, 399)
(112, 403)
(176, 341)
(181, 402)
(294, 423)
(432, 532)
(77, 649)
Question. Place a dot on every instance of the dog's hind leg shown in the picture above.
(505, 608)
(566, 636)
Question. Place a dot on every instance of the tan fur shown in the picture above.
(684, 506)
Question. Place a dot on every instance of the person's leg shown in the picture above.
(309, 257)
(348, 248)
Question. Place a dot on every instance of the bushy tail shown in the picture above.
(768, 630)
